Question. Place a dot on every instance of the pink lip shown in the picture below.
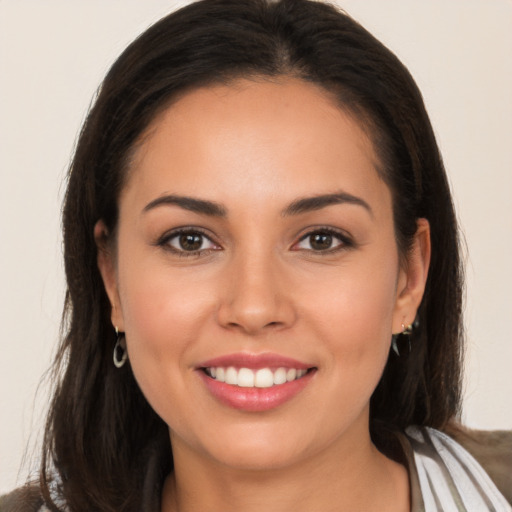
(255, 399)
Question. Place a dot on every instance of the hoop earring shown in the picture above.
(120, 354)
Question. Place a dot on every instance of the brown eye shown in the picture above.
(323, 241)
(320, 241)
(190, 241)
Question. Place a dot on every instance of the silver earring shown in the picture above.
(120, 354)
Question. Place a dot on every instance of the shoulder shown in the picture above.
(464, 465)
(492, 449)
(25, 499)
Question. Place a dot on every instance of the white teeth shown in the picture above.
(262, 378)
(291, 374)
(280, 376)
(245, 378)
(231, 376)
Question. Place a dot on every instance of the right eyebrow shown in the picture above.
(192, 204)
(308, 204)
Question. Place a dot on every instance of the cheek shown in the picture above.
(354, 316)
(163, 320)
(162, 312)
(358, 298)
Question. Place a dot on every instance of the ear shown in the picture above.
(107, 267)
(412, 278)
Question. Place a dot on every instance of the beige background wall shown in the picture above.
(53, 54)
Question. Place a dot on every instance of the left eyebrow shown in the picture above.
(192, 204)
(308, 204)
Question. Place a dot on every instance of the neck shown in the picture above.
(338, 479)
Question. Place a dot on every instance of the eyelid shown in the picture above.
(346, 240)
(164, 240)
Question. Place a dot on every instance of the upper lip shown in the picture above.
(255, 361)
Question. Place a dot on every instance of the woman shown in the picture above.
(264, 286)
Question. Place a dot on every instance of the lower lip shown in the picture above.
(256, 399)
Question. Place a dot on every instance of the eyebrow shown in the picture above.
(308, 204)
(303, 205)
(188, 203)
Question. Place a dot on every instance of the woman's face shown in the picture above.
(256, 245)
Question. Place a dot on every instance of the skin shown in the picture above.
(260, 286)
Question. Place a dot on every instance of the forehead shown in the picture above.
(284, 137)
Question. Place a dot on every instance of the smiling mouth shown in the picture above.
(261, 378)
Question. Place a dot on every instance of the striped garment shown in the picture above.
(450, 479)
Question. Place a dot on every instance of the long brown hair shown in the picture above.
(100, 429)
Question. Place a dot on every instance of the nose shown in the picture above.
(257, 297)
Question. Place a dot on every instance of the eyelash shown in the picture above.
(165, 240)
(345, 241)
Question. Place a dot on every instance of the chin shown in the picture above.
(260, 446)
(259, 458)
